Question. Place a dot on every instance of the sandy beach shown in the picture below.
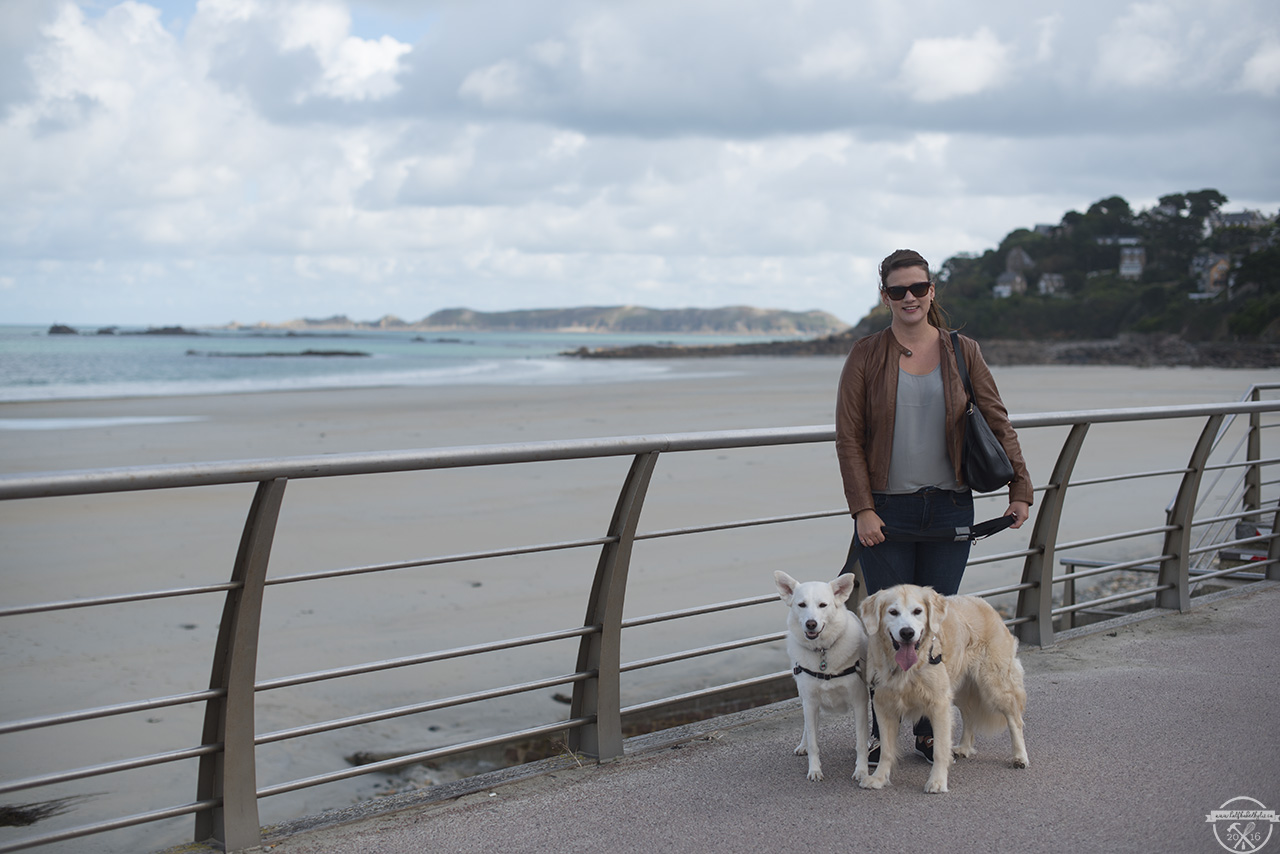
(72, 547)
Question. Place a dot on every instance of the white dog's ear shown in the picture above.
(843, 586)
(786, 585)
(870, 613)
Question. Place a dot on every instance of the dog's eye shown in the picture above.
(822, 604)
(918, 611)
(893, 612)
(802, 605)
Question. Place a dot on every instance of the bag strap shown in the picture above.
(964, 373)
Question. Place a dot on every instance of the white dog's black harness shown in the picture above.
(857, 668)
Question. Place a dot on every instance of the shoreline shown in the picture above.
(1130, 350)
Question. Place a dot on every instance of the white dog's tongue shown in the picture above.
(905, 656)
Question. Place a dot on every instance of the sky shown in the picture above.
(200, 163)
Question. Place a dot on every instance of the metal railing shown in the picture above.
(226, 785)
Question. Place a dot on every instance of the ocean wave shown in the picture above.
(529, 371)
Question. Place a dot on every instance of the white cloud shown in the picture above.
(939, 69)
(306, 43)
(1046, 35)
(1141, 48)
(1262, 71)
(498, 84)
(840, 56)
(269, 159)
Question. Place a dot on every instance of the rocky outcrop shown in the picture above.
(1133, 350)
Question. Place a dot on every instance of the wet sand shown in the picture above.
(72, 547)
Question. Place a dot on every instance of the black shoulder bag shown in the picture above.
(985, 465)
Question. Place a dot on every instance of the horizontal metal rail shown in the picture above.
(439, 561)
(105, 826)
(419, 708)
(226, 806)
(424, 658)
(718, 690)
(697, 611)
(100, 712)
(1106, 600)
(92, 602)
(424, 756)
(702, 651)
(109, 768)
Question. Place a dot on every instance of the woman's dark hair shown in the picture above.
(900, 258)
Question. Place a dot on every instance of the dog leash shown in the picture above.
(972, 533)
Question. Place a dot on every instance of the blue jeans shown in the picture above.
(936, 565)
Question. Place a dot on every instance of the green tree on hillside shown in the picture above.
(1173, 231)
(1085, 249)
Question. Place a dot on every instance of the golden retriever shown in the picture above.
(926, 651)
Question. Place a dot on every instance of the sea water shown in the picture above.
(36, 365)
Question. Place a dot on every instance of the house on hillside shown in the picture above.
(1252, 221)
(1132, 260)
(1013, 280)
(1242, 219)
(1018, 261)
(1213, 271)
(1052, 284)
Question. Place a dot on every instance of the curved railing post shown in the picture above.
(600, 653)
(1253, 474)
(229, 776)
(1273, 549)
(1175, 569)
(1037, 602)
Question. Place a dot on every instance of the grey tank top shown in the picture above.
(919, 457)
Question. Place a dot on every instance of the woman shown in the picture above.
(900, 415)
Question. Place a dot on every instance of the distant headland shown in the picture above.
(730, 320)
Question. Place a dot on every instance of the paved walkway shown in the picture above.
(1136, 733)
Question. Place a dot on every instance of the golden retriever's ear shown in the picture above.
(937, 608)
(869, 611)
(786, 585)
(843, 586)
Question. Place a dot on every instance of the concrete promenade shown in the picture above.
(1136, 732)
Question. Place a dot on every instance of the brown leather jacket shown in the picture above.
(867, 400)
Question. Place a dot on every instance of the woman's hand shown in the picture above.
(869, 526)
(1020, 511)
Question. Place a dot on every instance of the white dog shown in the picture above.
(926, 651)
(827, 645)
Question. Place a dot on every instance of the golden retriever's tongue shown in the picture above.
(905, 656)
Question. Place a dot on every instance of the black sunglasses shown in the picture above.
(899, 292)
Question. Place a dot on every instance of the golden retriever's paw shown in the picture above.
(964, 752)
(875, 781)
(935, 786)
(1020, 762)
(861, 773)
